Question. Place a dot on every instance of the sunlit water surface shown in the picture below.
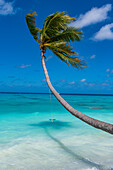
(29, 141)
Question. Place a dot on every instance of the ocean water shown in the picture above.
(29, 141)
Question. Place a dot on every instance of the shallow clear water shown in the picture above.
(28, 140)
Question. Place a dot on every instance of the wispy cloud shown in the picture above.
(106, 81)
(10, 85)
(72, 83)
(44, 80)
(105, 33)
(15, 80)
(95, 15)
(6, 8)
(24, 66)
(93, 56)
(60, 82)
(29, 85)
(104, 84)
(48, 58)
(83, 80)
(98, 84)
(89, 84)
(112, 71)
(107, 70)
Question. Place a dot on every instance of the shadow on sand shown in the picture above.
(54, 125)
(58, 125)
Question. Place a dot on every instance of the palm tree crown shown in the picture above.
(56, 35)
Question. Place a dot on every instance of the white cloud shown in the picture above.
(104, 33)
(6, 8)
(93, 16)
(93, 56)
(83, 80)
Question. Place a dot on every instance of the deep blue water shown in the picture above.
(28, 140)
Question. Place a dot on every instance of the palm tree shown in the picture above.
(56, 35)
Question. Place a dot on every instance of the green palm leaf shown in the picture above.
(73, 61)
(62, 47)
(54, 24)
(56, 35)
(68, 35)
(31, 23)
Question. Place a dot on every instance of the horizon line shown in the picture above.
(90, 94)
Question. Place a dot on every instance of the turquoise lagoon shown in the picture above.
(29, 141)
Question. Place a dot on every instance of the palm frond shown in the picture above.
(56, 35)
(55, 23)
(68, 35)
(73, 61)
(31, 23)
(61, 46)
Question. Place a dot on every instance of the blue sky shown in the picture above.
(20, 61)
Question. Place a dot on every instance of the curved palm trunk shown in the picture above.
(93, 122)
